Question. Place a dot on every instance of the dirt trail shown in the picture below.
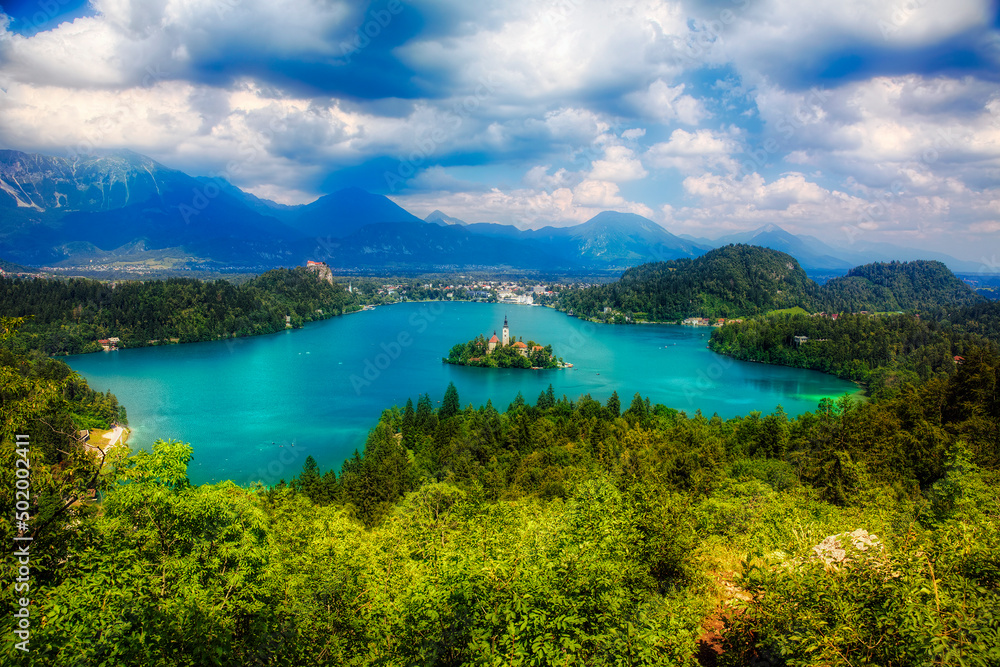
(710, 642)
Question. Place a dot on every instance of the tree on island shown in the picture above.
(477, 352)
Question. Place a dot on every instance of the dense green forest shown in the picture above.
(70, 316)
(741, 281)
(895, 286)
(546, 533)
(884, 351)
(11, 267)
(727, 282)
(476, 352)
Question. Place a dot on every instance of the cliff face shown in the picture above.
(323, 271)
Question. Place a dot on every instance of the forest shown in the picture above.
(547, 532)
(883, 351)
(69, 316)
(742, 281)
(551, 531)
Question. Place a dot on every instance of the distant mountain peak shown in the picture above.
(440, 218)
(770, 228)
(343, 212)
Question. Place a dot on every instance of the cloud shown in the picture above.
(878, 130)
(527, 207)
(816, 115)
(618, 164)
(695, 152)
(666, 103)
(795, 43)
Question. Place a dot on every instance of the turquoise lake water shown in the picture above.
(254, 408)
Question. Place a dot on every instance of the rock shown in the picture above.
(847, 547)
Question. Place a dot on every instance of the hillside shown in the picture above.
(346, 211)
(811, 254)
(11, 267)
(70, 316)
(896, 286)
(743, 280)
(725, 282)
(612, 238)
(53, 210)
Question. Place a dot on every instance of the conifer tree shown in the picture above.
(450, 406)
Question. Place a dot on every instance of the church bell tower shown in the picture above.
(506, 332)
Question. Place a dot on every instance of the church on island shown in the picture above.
(504, 352)
(522, 348)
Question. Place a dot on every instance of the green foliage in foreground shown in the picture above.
(564, 532)
(70, 316)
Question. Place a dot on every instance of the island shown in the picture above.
(504, 353)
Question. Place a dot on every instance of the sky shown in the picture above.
(853, 121)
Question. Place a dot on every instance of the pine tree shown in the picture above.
(409, 427)
(517, 404)
(425, 411)
(614, 405)
(450, 406)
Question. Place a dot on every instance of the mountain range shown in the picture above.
(119, 208)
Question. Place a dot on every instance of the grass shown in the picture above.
(797, 310)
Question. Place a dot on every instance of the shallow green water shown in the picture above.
(255, 408)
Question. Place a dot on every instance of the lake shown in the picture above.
(254, 408)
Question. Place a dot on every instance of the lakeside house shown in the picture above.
(109, 344)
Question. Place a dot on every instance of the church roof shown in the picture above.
(494, 339)
(519, 344)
